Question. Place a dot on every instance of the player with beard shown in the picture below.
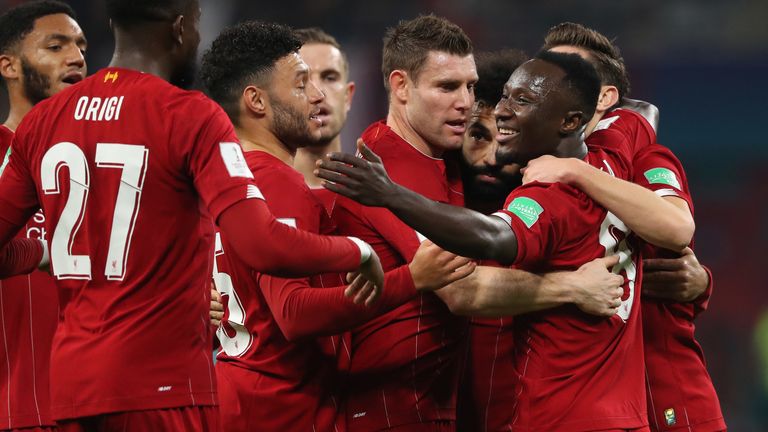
(150, 168)
(41, 53)
(329, 71)
(406, 364)
(487, 183)
(676, 287)
(597, 363)
(272, 373)
(487, 385)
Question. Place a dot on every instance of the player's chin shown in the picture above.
(58, 86)
(452, 141)
(316, 134)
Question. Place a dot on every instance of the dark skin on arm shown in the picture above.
(459, 230)
(534, 117)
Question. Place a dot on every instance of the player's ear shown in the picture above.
(10, 67)
(572, 122)
(609, 96)
(348, 97)
(398, 85)
(177, 30)
(254, 100)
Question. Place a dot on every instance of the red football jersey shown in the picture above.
(269, 324)
(488, 387)
(29, 312)
(671, 349)
(488, 384)
(129, 171)
(325, 196)
(623, 131)
(576, 372)
(680, 390)
(406, 363)
(6, 136)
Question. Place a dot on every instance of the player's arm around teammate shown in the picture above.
(664, 222)
(500, 292)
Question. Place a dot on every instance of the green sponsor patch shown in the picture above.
(526, 209)
(662, 176)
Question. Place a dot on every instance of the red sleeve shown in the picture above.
(533, 215)
(215, 160)
(289, 200)
(657, 169)
(20, 256)
(612, 140)
(269, 246)
(18, 194)
(303, 311)
(395, 242)
(399, 235)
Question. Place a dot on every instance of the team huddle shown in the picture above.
(509, 250)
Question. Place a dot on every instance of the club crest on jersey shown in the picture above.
(669, 416)
(110, 76)
(527, 209)
(662, 176)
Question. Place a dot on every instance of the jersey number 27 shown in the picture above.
(132, 160)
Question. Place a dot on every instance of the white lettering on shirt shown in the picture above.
(98, 109)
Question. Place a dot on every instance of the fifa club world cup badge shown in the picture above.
(669, 415)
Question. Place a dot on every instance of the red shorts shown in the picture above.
(35, 429)
(191, 418)
(642, 429)
(436, 426)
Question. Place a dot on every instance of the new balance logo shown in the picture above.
(164, 388)
(360, 414)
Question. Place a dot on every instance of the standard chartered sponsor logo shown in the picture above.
(527, 209)
(36, 227)
(662, 176)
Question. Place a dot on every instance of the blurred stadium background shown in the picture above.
(704, 63)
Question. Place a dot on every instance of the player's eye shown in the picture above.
(54, 48)
(477, 136)
(522, 101)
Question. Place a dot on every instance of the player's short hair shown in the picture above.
(316, 35)
(581, 79)
(493, 70)
(126, 13)
(244, 54)
(606, 57)
(17, 22)
(407, 45)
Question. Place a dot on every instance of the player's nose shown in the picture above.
(490, 154)
(75, 57)
(315, 94)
